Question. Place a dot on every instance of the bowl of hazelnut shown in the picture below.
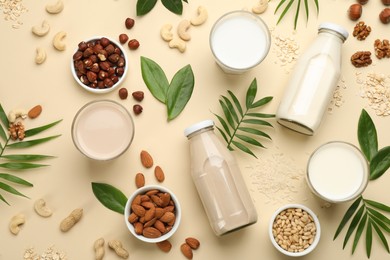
(152, 213)
(99, 64)
(294, 230)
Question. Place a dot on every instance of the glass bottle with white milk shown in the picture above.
(218, 180)
(314, 79)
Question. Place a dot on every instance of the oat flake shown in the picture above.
(50, 253)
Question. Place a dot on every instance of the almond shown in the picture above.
(147, 204)
(165, 246)
(132, 218)
(146, 159)
(160, 226)
(136, 200)
(139, 180)
(138, 210)
(35, 111)
(159, 174)
(193, 242)
(167, 217)
(186, 250)
(150, 223)
(138, 228)
(150, 213)
(165, 199)
(159, 212)
(151, 232)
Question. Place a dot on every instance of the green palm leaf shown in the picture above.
(353, 225)
(26, 157)
(359, 231)
(15, 179)
(25, 144)
(369, 238)
(10, 189)
(226, 112)
(243, 148)
(224, 125)
(381, 236)
(347, 216)
(232, 111)
(236, 103)
(249, 140)
(377, 205)
(20, 165)
(37, 130)
(287, 7)
(254, 131)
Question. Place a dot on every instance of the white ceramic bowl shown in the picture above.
(128, 211)
(107, 89)
(316, 237)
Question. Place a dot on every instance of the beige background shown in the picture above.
(275, 179)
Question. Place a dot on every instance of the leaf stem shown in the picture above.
(236, 128)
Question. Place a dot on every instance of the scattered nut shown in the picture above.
(139, 180)
(159, 174)
(193, 242)
(138, 95)
(178, 43)
(386, 2)
(362, 2)
(186, 251)
(164, 246)
(201, 18)
(146, 159)
(42, 29)
(166, 33)
(41, 209)
(16, 131)
(133, 44)
(361, 31)
(361, 59)
(123, 38)
(129, 23)
(117, 246)
(260, 7)
(16, 113)
(137, 109)
(355, 11)
(71, 220)
(16, 222)
(382, 48)
(55, 8)
(98, 246)
(123, 93)
(182, 30)
(58, 41)
(384, 16)
(40, 55)
(35, 112)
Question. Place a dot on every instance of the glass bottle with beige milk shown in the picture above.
(218, 180)
(313, 81)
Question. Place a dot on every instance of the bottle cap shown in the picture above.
(198, 126)
(334, 27)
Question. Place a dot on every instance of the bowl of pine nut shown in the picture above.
(294, 230)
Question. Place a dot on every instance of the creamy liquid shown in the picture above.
(337, 171)
(239, 42)
(103, 131)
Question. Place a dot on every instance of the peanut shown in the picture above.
(71, 220)
(98, 246)
(117, 246)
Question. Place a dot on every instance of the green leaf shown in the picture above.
(243, 148)
(261, 102)
(145, 6)
(380, 163)
(175, 6)
(26, 157)
(367, 135)
(180, 91)
(111, 197)
(353, 225)
(3, 117)
(380, 223)
(369, 238)
(297, 14)
(236, 103)
(15, 179)
(223, 134)
(377, 205)
(24, 144)
(251, 94)
(351, 210)
(37, 130)
(257, 122)
(11, 190)
(224, 124)
(359, 232)
(2, 198)
(20, 165)
(3, 135)
(285, 10)
(227, 114)
(379, 215)
(381, 236)
(231, 109)
(249, 140)
(154, 78)
(261, 115)
(254, 131)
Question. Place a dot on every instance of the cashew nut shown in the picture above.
(71, 220)
(201, 18)
(178, 43)
(16, 113)
(16, 222)
(166, 33)
(55, 8)
(40, 55)
(260, 7)
(182, 30)
(58, 41)
(98, 246)
(117, 246)
(41, 209)
(41, 30)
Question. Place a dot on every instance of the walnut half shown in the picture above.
(361, 31)
(361, 59)
(382, 49)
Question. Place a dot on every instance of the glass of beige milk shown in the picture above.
(102, 130)
(239, 41)
(337, 172)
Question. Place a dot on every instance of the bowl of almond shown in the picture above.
(99, 64)
(152, 213)
(294, 230)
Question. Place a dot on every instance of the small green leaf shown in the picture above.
(367, 135)
(249, 140)
(251, 94)
(379, 215)
(359, 231)
(175, 6)
(3, 117)
(20, 165)
(243, 148)
(224, 124)
(262, 102)
(3, 135)
(254, 131)
(9, 189)
(297, 13)
(24, 144)
(231, 109)
(180, 91)
(306, 9)
(380, 163)
(285, 11)
(15, 179)
(377, 205)
(223, 134)
(145, 6)
(381, 236)
(2, 198)
(26, 157)
(37, 130)
(261, 115)
(154, 78)
(351, 210)
(257, 122)
(236, 103)
(353, 225)
(369, 238)
(227, 114)
(111, 197)
(380, 223)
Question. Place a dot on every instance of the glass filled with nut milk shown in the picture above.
(337, 172)
(239, 41)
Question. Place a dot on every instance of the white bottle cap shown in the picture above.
(196, 127)
(335, 27)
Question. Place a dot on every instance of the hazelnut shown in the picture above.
(119, 71)
(104, 65)
(108, 83)
(123, 93)
(355, 11)
(129, 23)
(77, 56)
(386, 2)
(104, 41)
(121, 62)
(82, 46)
(88, 52)
(114, 58)
(133, 44)
(110, 49)
(123, 38)
(138, 95)
(384, 16)
(137, 109)
(363, 2)
(91, 76)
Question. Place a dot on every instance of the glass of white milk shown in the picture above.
(239, 41)
(102, 130)
(337, 172)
